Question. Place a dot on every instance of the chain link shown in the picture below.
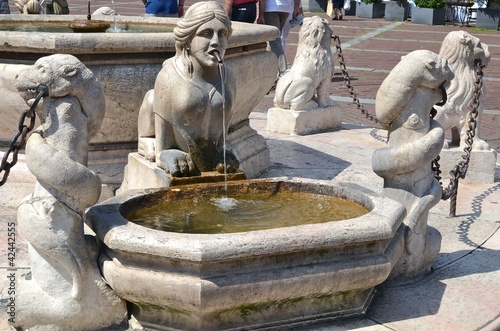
(22, 132)
(347, 80)
(460, 170)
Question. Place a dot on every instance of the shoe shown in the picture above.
(335, 18)
(340, 17)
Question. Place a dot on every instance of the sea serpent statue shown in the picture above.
(403, 106)
(306, 84)
(66, 291)
(463, 51)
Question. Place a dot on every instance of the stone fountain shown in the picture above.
(127, 64)
(273, 278)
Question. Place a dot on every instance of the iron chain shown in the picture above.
(22, 132)
(460, 170)
(347, 80)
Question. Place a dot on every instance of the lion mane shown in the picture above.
(306, 84)
(463, 51)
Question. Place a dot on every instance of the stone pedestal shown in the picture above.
(143, 174)
(482, 164)
(302, 122)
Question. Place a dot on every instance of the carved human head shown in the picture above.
(197, 15)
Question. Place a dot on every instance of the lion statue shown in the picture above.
(306, 84)
(463, 51)
(403, 106)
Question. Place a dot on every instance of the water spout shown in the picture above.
(217, 55)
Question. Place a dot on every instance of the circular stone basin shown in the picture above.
(255, 279)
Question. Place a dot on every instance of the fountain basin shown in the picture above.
(127, 64)
(287, 276)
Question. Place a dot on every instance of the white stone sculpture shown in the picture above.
(302, 103)
(462, 50)
(306, 84)
(403, 106)
(66, 291)
(59, 7)
(185, 111)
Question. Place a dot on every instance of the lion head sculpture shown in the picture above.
(306, 84)
(463, 51)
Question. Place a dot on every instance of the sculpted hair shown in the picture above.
(197, 15)
(458, 49)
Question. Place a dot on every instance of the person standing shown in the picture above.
(242, 10)
(164, 8)
(275, 13)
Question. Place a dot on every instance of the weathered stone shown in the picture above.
(276, 277)
(306, 85)
(403, 105)
(302, 122)
(463, 51)
(66, 291)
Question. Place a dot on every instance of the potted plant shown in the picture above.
(370, 8)
(430, 12)
(489, 17)
(397, 10)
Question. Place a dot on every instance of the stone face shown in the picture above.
(403, 106)
(249, 279)
(66, 291)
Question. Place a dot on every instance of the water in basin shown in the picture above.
(62, 27)
(247, 211)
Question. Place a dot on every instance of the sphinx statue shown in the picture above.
(183, 120)
(403, 106)
(66, 290)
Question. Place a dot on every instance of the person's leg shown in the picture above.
(277, 19)
(337, 7)
(285, 31)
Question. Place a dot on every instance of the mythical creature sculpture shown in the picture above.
(463, 51)
(66, 290)
(306, 85)
(182, 121)
(58, 7)
(403, 106)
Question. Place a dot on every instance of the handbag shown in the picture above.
(347, 4)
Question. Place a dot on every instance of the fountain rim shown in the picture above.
(118, 234)
(19, 41)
